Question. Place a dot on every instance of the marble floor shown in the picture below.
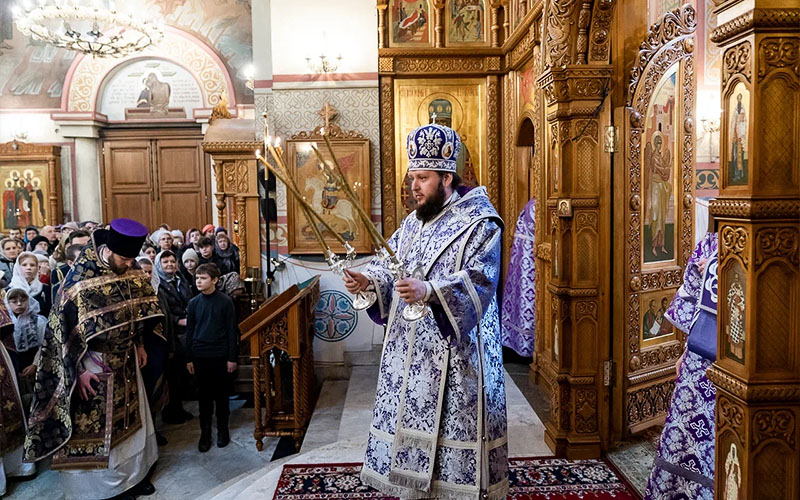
(336, 434)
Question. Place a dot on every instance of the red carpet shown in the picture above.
(529, 478)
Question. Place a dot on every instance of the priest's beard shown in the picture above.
(431, 207)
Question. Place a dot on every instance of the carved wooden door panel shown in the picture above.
(181, 179)
(128, 180)
(654, 192)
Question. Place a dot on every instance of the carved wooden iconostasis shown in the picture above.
(541, 69)
(31, 176)
(655, 196)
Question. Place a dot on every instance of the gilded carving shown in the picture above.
(586, 309)
(585, 411)
(676, 24)
(601, 28)
(439, 66)
(766, 18)
(560, 18)
(387, 159)
(734, 241)
(776, 53)
(755, 209)
(276, 335)
(493, 135)
(582, 41)
(385, 64)
(773, 424)
(730, 415)
(586, 219)
(753, 393)
(736, 61)
(648, 402)
(777, 242)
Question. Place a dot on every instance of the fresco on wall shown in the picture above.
(150, 89)
(32, 74)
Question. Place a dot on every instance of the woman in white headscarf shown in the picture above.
(13, 430)
(162, 239)
(29, 328)
(26, 277)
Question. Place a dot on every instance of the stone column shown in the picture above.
(757, 372)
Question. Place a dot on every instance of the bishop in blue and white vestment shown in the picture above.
(439, 424)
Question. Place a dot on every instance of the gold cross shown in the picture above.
(328, 113)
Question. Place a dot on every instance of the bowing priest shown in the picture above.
(439, 423)
(89, 410)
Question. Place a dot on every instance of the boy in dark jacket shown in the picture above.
(212, 337)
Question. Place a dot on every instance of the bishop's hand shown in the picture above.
(411, 290)
(355, 282)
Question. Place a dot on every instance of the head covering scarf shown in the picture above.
(2, 248)
(159, 270)
(225, 254)
(157, 236)
(36, 241)
(18, 280)
(190, 254)
(29, 326)
(70, 225)
(155, 280)
(25, 234)
(177, 233)
(207, 228)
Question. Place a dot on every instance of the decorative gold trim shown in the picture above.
(762, 18)
(678, 24)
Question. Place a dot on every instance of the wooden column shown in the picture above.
(578, 218)
(757, 372)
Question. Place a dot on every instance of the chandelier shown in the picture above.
(88, 28)
(324, 65)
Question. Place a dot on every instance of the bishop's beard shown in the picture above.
(431, 207)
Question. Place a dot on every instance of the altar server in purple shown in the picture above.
(684, 467)
(519, 295)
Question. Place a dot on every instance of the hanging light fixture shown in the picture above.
(90, 27)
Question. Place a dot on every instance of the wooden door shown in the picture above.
(128, 176)
(181, 194)
(156, 181)
(653, 222)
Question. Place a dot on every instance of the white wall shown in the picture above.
(302, 28)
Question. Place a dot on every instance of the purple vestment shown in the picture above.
(519, 294)
(684, 467)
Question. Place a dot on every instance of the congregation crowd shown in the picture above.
(204, 263)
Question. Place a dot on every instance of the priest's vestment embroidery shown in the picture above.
(439, 423)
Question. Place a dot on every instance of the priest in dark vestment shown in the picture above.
(89, 410)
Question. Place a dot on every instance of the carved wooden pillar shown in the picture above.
(219, 194)
(757, 372)
(232, 145)
(495, 24)
(438, 29)
(578, 218)
(382, 25)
